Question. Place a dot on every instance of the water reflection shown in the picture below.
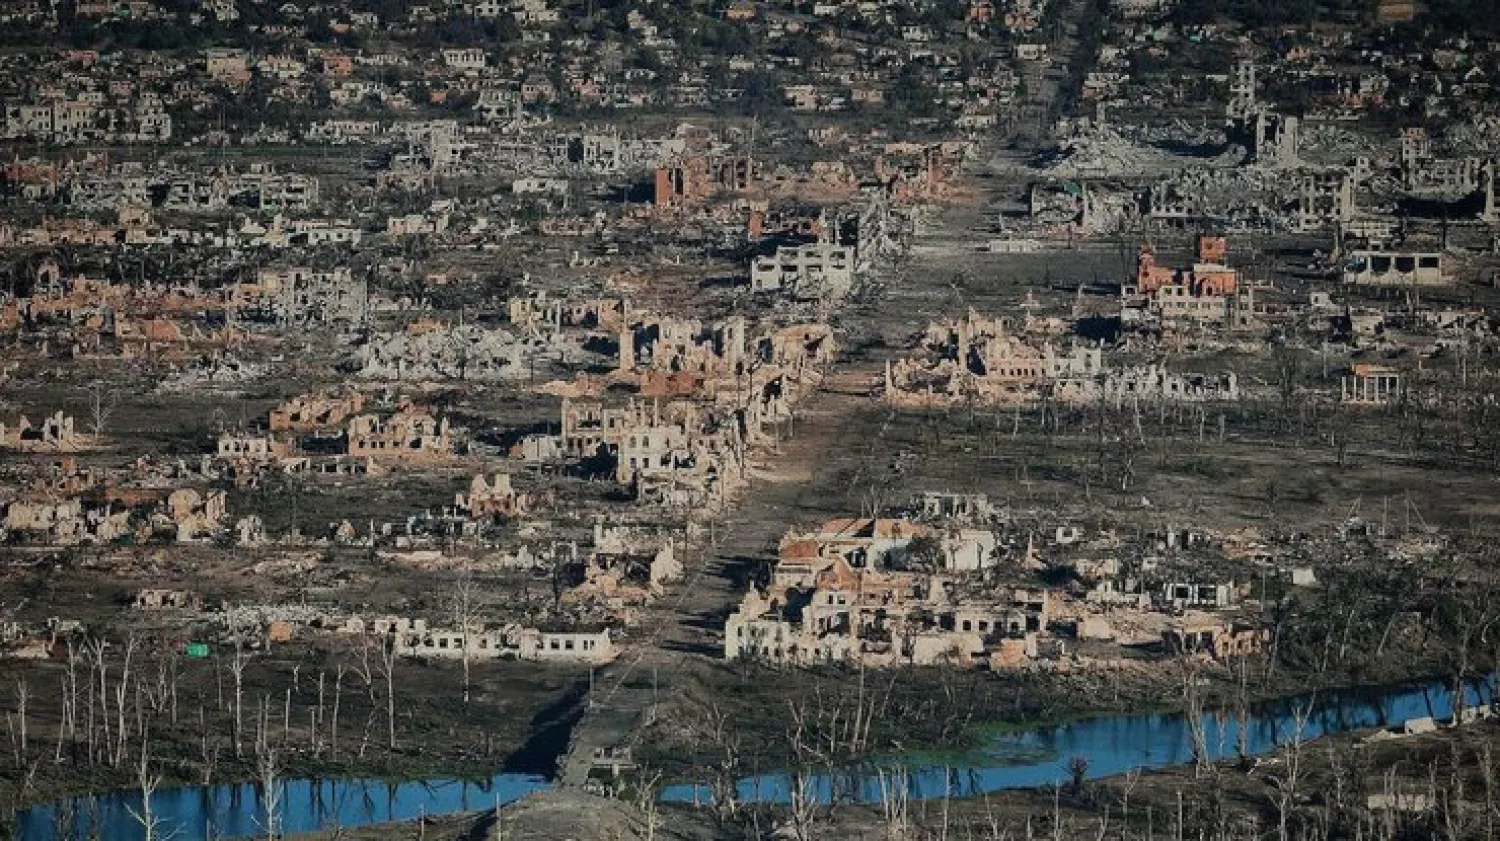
(1028, 759)
(238, 811)
(1111, 745)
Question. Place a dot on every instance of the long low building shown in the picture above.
(1395, 268)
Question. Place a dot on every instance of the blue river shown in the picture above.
(1111, 745)
(197, 813)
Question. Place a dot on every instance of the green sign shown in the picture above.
(197, 649)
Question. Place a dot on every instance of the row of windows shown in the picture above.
(554, 644)
(379, 444)
(442, 642)
(566, 644)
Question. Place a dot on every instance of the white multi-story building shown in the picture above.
(814, 270)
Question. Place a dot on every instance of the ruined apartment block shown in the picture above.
(301, 295)
(410, 433)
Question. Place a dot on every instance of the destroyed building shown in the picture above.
(682, 454)
(309, 412)
(1061, 203)
(1206, 291)
(621, 577)
(976, 358)
(252, 448)
(163, 599)
(834, 598)
(814, 271)
(407, 434)
(194, 515)
(488, 498)
(1372, 385)
(468, 352)
(1325, 198)
(67, 522)
(301, 295)
(1394, 268)
(54, 434)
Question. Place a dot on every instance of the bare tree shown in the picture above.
(239, 659)
(894, 799)
(1192, 702)
(69, 724)
(99, 739)
(1285, 796)
(208, 748)
(464, 606)
(716, 727)
(122, 731)
(268, 773)
(1132, 778)
(388, 658)
(101, 405)
(23, 694)
(315, 714)
(1242, 709)
(333, 724)
(804, 807)
(150, 822)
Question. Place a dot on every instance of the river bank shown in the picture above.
(1011, 774)
(1089, 748)
(943, 710)
(904, 706)
(518, 721)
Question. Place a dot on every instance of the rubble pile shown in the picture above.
(1104, 152)
(466, 353)
(215, 372)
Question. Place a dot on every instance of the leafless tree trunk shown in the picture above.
(1285, 797)
(268, 770)
(62, 724)
(101, 404)
(208, 748)
(237, 663)
(1242, 709)
(23, 694)
(804, 806)
(333, 723)
(362, 667)
(894, 791)
(1132, 778)
(1192, 703)
(804, 803)
(720, 732)
(172, 688)
(122, 730)
(388, 671)
(99, 748)
(70, 700)
(465, 615)
(317, 717)
(15, 744)
(150, 823)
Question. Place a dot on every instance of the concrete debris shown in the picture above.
(465, 352)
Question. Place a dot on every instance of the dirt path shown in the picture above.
(688, 623)
(784, 490)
